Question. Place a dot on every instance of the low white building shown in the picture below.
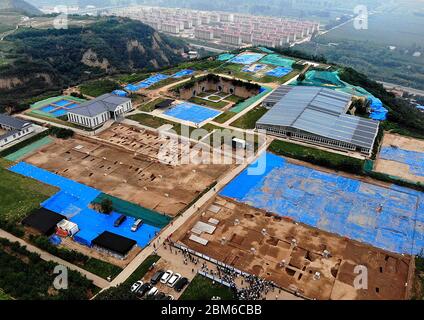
(12, 129)
(94, 113)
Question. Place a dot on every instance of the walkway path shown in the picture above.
(98, 281)
(178, 222)
(253, 105)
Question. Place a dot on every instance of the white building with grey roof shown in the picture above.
(12, 129)
(317, 116)
(94, 113)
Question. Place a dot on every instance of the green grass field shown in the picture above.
(202, 288)
(150, 121)
(216, 105)
(150, 106)
(224, 117)
(316, 156)
(248, 121)
(19, 195)
(4, 296)
(98, 87)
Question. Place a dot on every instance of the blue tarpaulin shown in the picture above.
(147, 82)
(191, 112)
(378, 112)
(182, 73)
(279, 72)
(387, 218)
(120, 93)
(73, 201)
(247, 58)
(414, 159)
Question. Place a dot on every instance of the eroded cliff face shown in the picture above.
(133, 45)
(91, 59)
(51, 60)
(7, 83)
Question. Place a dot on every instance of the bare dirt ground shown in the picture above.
(137, 177)
(262, 244)
(395, 168)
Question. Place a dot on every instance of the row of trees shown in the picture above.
(24, 275)
(50, 59)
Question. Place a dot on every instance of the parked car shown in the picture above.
(120, 220)
(136, 286)
(153, 291)
(173, 280)
(169, 297)
(137, 224)
(180, 284)
(165, 277)
(160, 296)
(156, 277)
(143, 289)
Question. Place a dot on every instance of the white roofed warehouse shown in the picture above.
(94, 113)
(317, 116)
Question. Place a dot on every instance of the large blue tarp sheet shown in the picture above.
(414, 159)
(247, 58)
(73, 201)
(254, 68)
(388, 218)
(378, 112)
(279, 72)
(147, 82)
(120, 93)
(191, 112)
(182, 73)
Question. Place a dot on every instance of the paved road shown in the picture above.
(388, 85)
(98, 281)
(178, 222)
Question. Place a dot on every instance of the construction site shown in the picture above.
(123, 163)
(401, 157)
(305, 261)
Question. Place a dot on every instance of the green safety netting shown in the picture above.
(245, 104)
(277, 60)
(331, 80)
(130, 209)
(21, 153)
(225, 56)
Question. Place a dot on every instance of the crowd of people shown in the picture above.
(245, 287)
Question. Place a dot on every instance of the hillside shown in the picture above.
(390, 50)
(51, 59)
(19, 6)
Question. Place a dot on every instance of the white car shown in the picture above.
(136, 285)
(173, 279)
(168, 274)
(152, 292)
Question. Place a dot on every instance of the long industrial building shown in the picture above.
(317, 116)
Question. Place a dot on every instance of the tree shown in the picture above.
(106, 206)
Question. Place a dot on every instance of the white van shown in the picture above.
(137, 224)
